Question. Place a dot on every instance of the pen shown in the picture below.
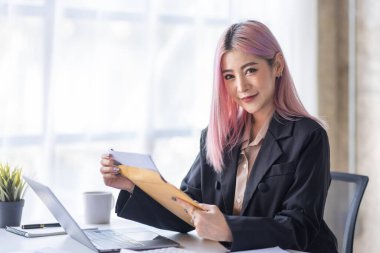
(30, 226)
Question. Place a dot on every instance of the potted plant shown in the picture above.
(12, 189)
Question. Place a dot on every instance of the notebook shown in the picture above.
(36, 232)
(39, 232)
(105, 240)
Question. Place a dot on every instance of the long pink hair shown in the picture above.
(227, 119)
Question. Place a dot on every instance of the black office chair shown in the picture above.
(342, 207)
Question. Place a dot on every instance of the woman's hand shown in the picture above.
(209, 222)
(112, 176)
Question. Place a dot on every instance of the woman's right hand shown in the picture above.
(111, 175)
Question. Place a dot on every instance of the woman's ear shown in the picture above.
(279, 64)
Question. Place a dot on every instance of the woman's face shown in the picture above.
(250, 81)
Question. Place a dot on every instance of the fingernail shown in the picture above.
(116, 169)
(174, 198)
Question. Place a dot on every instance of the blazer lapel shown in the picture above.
(270, 151)
(228, 178)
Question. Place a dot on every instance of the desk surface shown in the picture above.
(36, 212)
(12, 243)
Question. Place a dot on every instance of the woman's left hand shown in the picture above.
(209, 222)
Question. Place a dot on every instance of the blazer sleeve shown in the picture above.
(140, 207)
(299, 221)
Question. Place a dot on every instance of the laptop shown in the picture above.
(99, 240)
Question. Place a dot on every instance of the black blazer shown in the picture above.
(284, 198)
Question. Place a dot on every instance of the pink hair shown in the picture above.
(227, 119)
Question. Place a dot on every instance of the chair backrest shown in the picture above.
(342, 207)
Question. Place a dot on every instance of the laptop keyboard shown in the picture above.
(110, 239)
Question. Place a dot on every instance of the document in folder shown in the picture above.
(142, 171)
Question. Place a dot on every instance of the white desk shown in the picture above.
(11, 242)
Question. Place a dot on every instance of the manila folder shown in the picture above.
(153, 184)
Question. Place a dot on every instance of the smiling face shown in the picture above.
(250, 81)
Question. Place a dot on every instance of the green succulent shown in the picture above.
(12, 185)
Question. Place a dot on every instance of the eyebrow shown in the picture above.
(242, 67)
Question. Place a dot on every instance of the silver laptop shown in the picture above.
(99, 240)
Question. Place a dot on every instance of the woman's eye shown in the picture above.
(228, 77)
(251, 70)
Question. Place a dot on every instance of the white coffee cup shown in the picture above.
(97, 207)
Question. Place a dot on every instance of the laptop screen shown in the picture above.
(59, 212)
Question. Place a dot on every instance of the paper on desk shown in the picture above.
(148, 179)
(44, 250)
(162, 250)
(267, 250)
(179, 250)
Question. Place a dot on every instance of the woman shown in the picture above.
(262, 173)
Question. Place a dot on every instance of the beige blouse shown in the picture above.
(248, 154)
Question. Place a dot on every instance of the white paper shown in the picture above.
(179, 250)
(163, 250)
(44, 250)
(267, 250)
(134, 160)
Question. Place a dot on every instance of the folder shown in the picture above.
(141, 170)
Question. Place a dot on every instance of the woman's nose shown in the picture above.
(241, 85)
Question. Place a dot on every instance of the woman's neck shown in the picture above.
(258, 120)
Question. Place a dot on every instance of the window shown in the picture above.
(79, 77)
